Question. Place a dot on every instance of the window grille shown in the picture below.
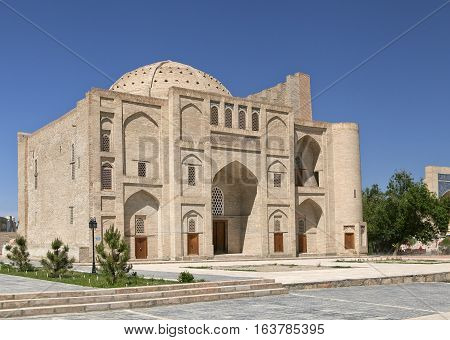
(214, 115)
(139, 223)
(105, 143)
(71, 215)
(191, 176)
(217, 202)
(142, 169)
(255, 121)
(277, 223)
(106, 177)
(242, 120)
(73, 170)
(277, 180)
(228, 118)
(301, 226)
(191, 225)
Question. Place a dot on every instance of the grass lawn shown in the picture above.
(84, 279)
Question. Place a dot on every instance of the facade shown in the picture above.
(186, 170)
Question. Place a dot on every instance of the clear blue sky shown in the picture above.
(400, 98)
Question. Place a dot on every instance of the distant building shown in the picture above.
(437, 179)
(8, 224)
(184, 169)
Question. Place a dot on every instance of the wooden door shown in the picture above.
(278, 242)
(220, 237)
(192, 240)
(140, 247)
(302, 244)
(349, 241)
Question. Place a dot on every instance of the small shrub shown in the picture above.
(19, 255)
(57, 261)
(185, 277)
(113, 257)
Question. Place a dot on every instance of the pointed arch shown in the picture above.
(138, 115)
(187, 106)
(276, 133)
(195, 158)
(277, 166)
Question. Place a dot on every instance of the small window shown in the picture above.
(301, 226)
(277, 223)
(191, 175)
(277, 180)
(73, 170)
(214, 115)
(139, 223)
(255, 121)
(35, 174)
(72, 158)
(106, 177)
(242, 119)
(71, 215)
(191, 225)
(228, 118)
(105, 142)
(142, 169)
(72, 162)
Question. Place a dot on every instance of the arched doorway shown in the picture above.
(233, 209)
(307, 152)
(309, 219)
(141, 224)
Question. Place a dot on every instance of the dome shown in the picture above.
(154, 80)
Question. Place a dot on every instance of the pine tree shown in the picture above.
(57, 261)
(113, 256)
(19, 255)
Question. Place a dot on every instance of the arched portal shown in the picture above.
(234, 211)
(307, 152)
(309, 221)
(141, 224)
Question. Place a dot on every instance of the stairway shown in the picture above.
(80, 301)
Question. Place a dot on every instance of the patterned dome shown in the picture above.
(154, 80)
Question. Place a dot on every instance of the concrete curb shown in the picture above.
(388, 280)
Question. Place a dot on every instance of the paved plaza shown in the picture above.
(391, 302)
(351, 270)
(16, 284)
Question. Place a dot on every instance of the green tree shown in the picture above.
(19, 255)
(113, 255)
(57, 261)
(406, 211)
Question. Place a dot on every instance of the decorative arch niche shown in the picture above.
(276, 134)
(141, 144)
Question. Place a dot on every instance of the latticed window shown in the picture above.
(105, 142)
(217, 202)
(191, 225)
(277, 223)
(228, 118)
(139, 224)
(71, 215)
(242, 120)
(277, 180)
(214, 115)
(106, 177)
(301, 226)
(72, 162)
(191, 175)
(142, 169)
(35, 174)
(255, 121)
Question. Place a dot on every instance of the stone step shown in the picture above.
(138, 303)
(129, 290)
(39, 301)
